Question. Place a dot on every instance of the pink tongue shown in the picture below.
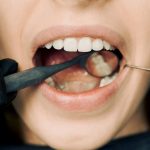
(73, 79)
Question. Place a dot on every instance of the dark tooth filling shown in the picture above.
(44, 57)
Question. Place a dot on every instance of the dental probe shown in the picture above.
(137, 67)
(33, 76)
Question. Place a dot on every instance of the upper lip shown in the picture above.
(97, 31)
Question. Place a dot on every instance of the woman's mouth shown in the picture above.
(77, 89)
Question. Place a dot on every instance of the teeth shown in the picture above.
(107, 46)
(50, 82)
(58, 44)
(70, 44)
(85, 44)
(48, 46)
(107, 80)
(97, 45)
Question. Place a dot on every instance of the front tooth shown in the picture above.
(58, 44)
(97, 45)
(70, 44)
(107, 46)
(48, 45)
(85, 44)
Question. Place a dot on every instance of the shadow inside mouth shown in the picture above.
(74, 79)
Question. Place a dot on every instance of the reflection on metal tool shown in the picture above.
(137, 67)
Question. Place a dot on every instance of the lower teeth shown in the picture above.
(50, 82)
(63, 87)
(107, 80)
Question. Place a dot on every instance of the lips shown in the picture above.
(87, 100)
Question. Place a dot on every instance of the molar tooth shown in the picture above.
(58, 44)
(61, 86)
(70, 44)
(106, 45)
(107, 80)
(97, 45)
(85, 44)
(48, 45)
(50, 82)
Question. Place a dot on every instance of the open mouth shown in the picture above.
(77, 89)
(103, 66)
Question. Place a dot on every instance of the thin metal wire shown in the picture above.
(137, 67)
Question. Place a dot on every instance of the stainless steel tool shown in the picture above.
(137, 67)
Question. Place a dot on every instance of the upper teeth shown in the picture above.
(70, 44)
(58, 44)
(84, 44)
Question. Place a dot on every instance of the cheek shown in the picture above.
(139, 57)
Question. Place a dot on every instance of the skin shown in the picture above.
(43, 124)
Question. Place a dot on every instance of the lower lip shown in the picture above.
(86, 101)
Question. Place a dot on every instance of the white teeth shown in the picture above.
(70, 44)
(58, 44)
(107, 46)
(107, 80)
(50, 82)
(85, 44)
(48, 45)
(97, 45)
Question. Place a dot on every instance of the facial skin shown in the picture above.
(48, 125)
